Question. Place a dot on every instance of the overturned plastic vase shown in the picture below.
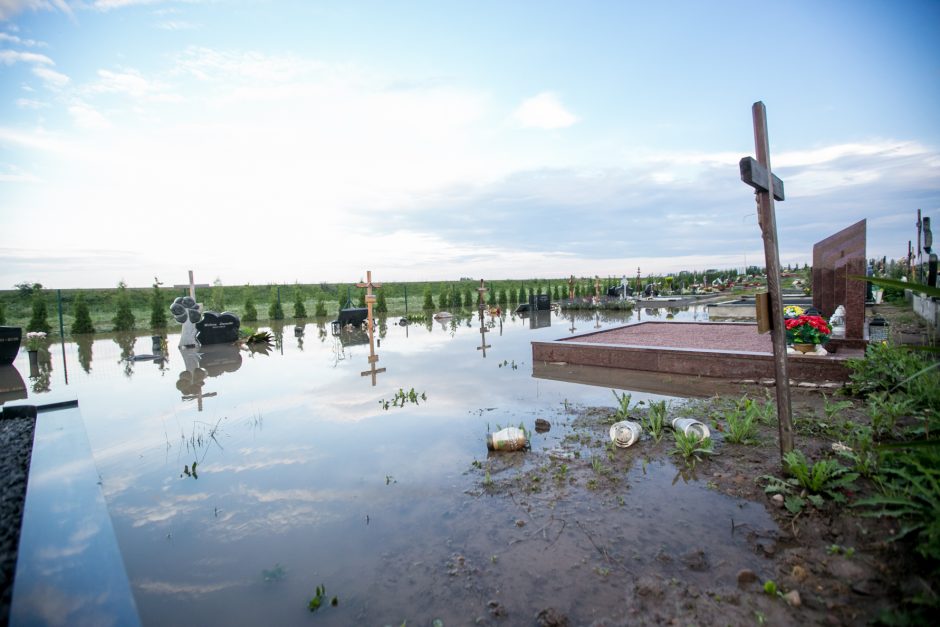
(508, 439)
(625, 433)
(691, 427)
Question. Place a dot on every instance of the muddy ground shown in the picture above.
(698, 545)
(612, 536)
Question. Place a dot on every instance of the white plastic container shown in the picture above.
(508, 439)
(625, 433)
(691, 427)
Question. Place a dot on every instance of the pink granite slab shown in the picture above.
(697, 335)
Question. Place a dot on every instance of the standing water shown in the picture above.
(242, 485)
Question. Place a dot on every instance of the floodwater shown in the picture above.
(238, 482)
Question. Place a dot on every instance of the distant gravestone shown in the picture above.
(835, 259)
(540, 302)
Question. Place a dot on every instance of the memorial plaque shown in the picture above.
(540, 302)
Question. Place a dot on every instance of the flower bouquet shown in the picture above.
(792, 311)
(35, 340)
(805, 329)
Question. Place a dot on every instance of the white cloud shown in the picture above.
(176, 25)
(52, 79)
(131, 83)
(544, 111)
(27, 103)
(15, 174)
(86, 117)
(11, 8)
(13, 39)
(9, 57)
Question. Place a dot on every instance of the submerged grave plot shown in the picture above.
(709, 349)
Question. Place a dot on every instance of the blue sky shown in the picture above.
(262, 141)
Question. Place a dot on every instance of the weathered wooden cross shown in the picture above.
(482, 290)
(571, 288)
(767, 187)
(370, 301)
(191, 286)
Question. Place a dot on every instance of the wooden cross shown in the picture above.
(192, 286)
(571, 288)
(370, 301)
(597, 287)
(482, 290)
(767, 187)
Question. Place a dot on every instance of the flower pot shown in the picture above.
(805, 348)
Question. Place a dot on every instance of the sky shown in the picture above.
(262, 141)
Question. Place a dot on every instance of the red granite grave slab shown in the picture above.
(835, 259)
(711, 349)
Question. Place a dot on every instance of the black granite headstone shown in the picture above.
(217, 328)
(540, 302)
(10, 338)
(352, 315)
(932, 270)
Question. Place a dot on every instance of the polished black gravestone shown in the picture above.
(217, 328)
(10, 338)
(352, 315)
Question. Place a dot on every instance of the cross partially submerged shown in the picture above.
(370, 301)
(767, 187)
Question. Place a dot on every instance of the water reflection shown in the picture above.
(12, 386)
(211, 360)
(84, 344)
(298, 491)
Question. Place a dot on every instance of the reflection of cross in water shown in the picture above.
(483, 330)
(191, 286)
(370, 300)
(572, 329)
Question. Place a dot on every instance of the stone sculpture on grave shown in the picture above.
(199, 328)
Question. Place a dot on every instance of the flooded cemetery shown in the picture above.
(335, 476)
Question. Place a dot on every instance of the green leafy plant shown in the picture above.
(741, 423)
(320, 309)
(655, 420)
(317, 599)
(812, 482)
(690, 447)
(911, 493)
(623, 402)
(300, 310)
(833, 408)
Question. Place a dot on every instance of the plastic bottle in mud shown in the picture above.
(625, 433)
(691, 427)
(508, 439)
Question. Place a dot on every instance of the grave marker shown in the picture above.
(758, 174)
(370, 301)
(835, 259)
(191, 286)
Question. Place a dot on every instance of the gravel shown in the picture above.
(16, 442)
